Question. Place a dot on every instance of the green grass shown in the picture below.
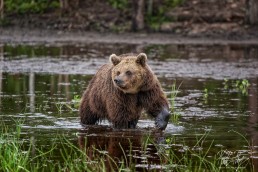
(175, 112)
(73, 105)
(11, 156)
(29, 6)
(16, 155)
(63, 155)
(203, 157)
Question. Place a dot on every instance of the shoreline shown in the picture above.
(38, 36)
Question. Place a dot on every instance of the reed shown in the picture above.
(175, 112)
(16, 156)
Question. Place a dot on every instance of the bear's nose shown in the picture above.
(118, 81)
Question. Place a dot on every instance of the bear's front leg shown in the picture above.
(121, 118)
(132, 124)
(162, 118)
(125, 124)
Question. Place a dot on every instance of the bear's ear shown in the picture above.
(114, 59)
(141, 59)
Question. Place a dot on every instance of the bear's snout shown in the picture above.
(119, 81)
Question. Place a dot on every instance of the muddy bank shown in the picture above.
(37, 36)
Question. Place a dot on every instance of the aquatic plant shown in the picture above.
(175, 113)
(76, 101)
(72, 105)
(205, 95)
(181, 157)
(12, 158)
(225, 83)
(16, 156)
(240, 85)
(59, 106)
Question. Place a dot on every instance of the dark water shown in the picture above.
(38, 84)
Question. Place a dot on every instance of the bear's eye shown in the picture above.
(117, 73)
(129, 73)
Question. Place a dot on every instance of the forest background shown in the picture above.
(223, 18)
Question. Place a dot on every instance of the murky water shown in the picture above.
(38, 84)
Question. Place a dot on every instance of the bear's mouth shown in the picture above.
(122, 87)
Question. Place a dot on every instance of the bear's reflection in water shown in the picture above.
(133, 148)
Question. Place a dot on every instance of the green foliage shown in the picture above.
(32, 6)
(239, 85)
(4, 22)
(76, 101)
(156, 16)
(173, 3)
(118, 4)
(242, 86)
(11, 156)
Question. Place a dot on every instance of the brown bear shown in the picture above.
(121, 90)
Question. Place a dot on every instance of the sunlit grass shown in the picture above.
(15, 155)
(12, 158)
(64, 155)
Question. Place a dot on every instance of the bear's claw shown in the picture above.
(161, 120)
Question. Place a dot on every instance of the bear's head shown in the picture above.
(128, 72)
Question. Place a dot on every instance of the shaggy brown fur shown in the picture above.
(121, 90)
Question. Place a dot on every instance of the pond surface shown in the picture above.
(39, 83)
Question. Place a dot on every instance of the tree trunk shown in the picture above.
(150, 7)
(1, 9)
(252, 12)
(64, 5)
(138, 15)
(68, 5)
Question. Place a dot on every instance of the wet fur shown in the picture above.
(102, 99)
